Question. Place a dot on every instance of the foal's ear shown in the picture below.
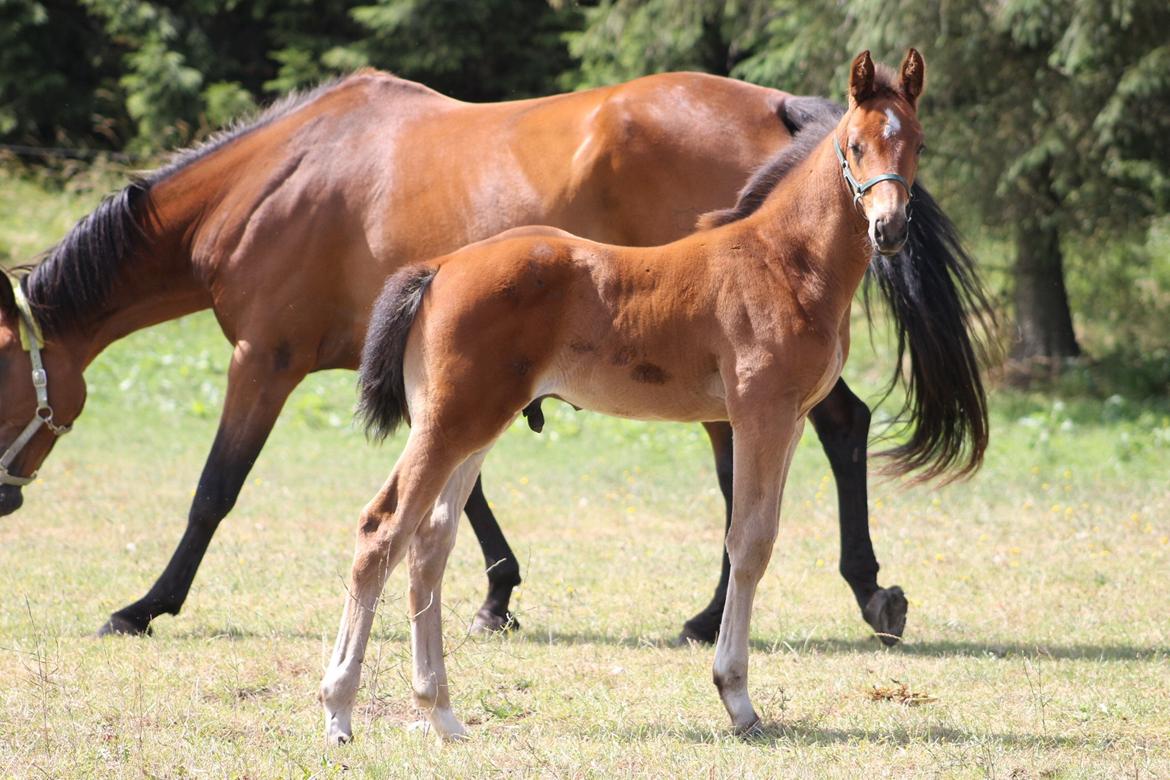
(861, 78)
(913, 76)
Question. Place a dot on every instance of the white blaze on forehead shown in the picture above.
(892, 124)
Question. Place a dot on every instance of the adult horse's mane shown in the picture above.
(809, 119)
(943, 318)
(73, 279)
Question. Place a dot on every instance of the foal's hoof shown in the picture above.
(886, 614)
(751, 730)
(120, 626)
(338, 728)
(338, 737)
(488, 622)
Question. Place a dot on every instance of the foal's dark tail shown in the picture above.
(381, 385)
(944, 319)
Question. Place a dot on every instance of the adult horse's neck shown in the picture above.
(128, 265)
(816, 236)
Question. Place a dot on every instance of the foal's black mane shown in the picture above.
(73, 280)
(943, 318)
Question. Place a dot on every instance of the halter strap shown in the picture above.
(32, 339)
(858, 189)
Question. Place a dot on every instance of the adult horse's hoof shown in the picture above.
(700, 630)
(488, 622)
(886, 614)
(120, 626)
(695, 636)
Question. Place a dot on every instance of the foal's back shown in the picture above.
(627, 331)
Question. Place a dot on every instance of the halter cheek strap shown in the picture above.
(857, 188)
(33, 341)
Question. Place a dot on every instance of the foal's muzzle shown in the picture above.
(10, 499)
(888, 233)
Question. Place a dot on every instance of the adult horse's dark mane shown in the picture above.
(73, 279)
(943, 318)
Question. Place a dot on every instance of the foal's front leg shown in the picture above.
(763, 451)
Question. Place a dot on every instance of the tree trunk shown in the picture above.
(1043, 321)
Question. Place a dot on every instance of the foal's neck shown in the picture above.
(816, 235)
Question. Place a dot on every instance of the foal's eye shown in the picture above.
(856, 149)
(921, 149)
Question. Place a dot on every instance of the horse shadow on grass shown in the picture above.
(536, 635)
(773, 734)
(1075, 651)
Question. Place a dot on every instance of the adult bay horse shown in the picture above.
(286, 227)
(746, 321)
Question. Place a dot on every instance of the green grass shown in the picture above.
(1038, 621)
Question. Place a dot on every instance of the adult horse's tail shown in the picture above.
(944, 319)
(381, 384)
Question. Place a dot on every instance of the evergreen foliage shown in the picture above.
(1048, 118)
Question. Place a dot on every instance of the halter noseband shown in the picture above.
(33, 342)
(857, 188)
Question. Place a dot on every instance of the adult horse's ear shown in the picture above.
(861, 78)
(913, 76)
(7, 296)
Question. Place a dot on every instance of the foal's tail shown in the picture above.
(381, 385)
(945, 322)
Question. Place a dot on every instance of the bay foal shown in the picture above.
(746, 322)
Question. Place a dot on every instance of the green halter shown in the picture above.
(858, 189)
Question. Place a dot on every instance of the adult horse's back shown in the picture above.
(288, 226)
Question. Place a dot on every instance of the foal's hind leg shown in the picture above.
(841, 421)
(385, 529)
(428, 558)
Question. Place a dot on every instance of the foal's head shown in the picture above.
(879, 141)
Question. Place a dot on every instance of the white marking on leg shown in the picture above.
(411, 491)
(428, 559)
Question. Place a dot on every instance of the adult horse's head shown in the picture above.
(879, 147)
(41, 392)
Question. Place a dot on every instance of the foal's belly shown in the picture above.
(643, 392)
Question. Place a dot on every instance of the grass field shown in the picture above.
(1038, 641)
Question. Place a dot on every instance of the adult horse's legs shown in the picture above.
(503, 570)
(255, 396)
(841, 421)
(763, 451)
(704, 626)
